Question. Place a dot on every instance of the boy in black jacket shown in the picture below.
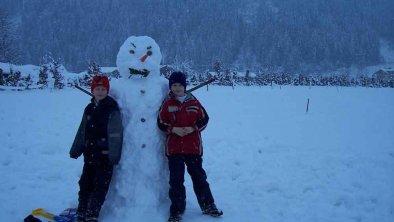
(99, 139)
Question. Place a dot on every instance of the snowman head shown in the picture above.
(139, 56)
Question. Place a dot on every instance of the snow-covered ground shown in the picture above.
(266, 158)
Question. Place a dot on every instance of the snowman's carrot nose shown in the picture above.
(144, 57)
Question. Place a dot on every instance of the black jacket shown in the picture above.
(100, 134)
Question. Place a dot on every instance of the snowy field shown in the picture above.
(267, 160)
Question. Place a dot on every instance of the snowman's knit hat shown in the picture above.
(177, 77)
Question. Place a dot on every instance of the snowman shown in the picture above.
(139, 185)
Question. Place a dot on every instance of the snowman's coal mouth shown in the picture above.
(143, 72)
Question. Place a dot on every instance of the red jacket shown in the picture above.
(191, 113)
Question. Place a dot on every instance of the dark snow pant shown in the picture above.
(177, 192)
(94, 184)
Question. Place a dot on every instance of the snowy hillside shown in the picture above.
(266, 158)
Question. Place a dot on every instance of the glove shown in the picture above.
(73, 157)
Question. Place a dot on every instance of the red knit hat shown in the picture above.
(99, 80)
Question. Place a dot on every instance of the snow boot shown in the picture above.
(175, 218)
(31, 218)
(212, 210)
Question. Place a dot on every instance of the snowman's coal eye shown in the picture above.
(131, 51)
(149, 53)
(149, 47)
(133, 45)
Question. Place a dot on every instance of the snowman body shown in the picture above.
(139, 185)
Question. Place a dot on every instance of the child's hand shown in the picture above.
(180, 131)
(73, 156)
(188, 130)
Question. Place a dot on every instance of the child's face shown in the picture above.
(99, 93)
(178, 89)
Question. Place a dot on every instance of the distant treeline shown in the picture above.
(50, 76)
(282, 79)
(228, 77)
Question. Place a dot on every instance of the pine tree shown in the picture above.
(217, 67)
(115, 74)
(248, 80)
(2, 81)
(94, 69)
(56, 75)
(28, 81)
(85, 81)
(227, 78)
(14, 78)
(43, 77)
(193, 80)
(201, 77)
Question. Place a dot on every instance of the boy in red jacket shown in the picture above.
(182, 118)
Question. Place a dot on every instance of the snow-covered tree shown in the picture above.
(2, 81)
(43, 76)
(27, 81)
(94, 69)
(14, 78)
(56, 75)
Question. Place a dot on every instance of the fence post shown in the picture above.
(307, 106)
